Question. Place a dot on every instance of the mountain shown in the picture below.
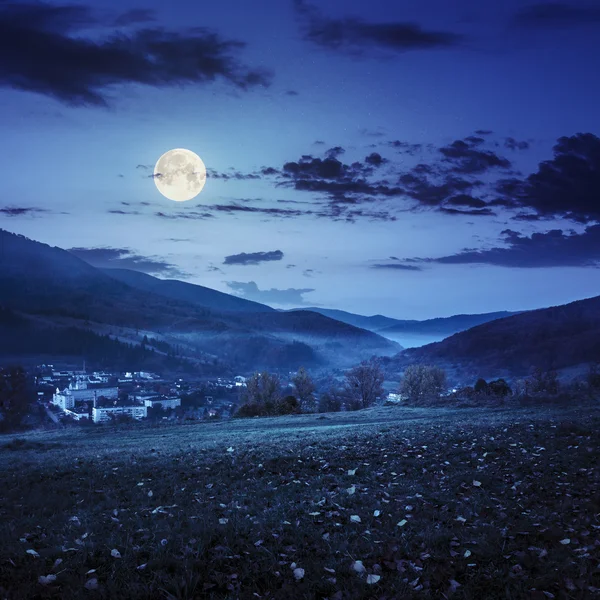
(373, 323)
(551, 338)
(56, 291)
(411, 333)
(188, 292)
(443, 326)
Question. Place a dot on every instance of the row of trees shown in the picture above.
(263, 393)
(363, 386)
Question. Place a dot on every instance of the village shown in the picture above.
(106, 397)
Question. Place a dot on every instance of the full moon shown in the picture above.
(179, 174)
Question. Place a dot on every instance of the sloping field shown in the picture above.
(385, 503)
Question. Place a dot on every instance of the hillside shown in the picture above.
(450, 497)
(37, 279)
(411, 333)
(551, 338)
(444, 325)
(372, 323)
(187, 292)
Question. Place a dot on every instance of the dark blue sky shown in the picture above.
(375, 157)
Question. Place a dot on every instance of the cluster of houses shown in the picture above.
(101, 397)
(87, 398)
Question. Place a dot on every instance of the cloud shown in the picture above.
(335, 152)
(477, 212)
(191, 215)
(396, 267)
(375, 160)
(567, 185)
(277, 212)
(236, 175)
(447, 181)
(406, 147)
(466, 158)
(21, 211)
(553, 248)
(45, 51)
(376, 133)
(513, 144)
(357, 35)
(466, 200)
(124, 258)
(339, 181)
(310, 273)
(253, 258)
(557, 15)
(250, 291)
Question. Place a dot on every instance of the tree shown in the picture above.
(16, 396)
(305, 389)
(422, 383)
(363, 385)
(264, 391)
(481, 386)
(593, 377)
(288, 406)
(330, 402)
(543, 382)
(499, 388)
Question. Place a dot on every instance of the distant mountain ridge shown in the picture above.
(558, 337)
(59, 290)
(383, 325)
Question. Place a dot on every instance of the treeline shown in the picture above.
(17, 394)
(20, 338)
(420, 385)
(264, 396)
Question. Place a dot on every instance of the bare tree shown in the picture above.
(305, 389)
(264, 390)
(363, 385)
(422, 383)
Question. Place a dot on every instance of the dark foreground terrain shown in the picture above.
(389, 503)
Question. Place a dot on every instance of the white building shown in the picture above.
(75, 393)
(396, 398)
(165, 403)
(105, 413)
(77, 413)
(64, 400)
(143, 375)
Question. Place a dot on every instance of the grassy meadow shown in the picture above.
(387, 503)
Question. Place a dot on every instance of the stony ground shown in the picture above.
(385, 503)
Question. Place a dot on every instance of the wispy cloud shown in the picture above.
(253, 258)
(21, 211)
(359, 36)
(124, 258)
(250, 291)
(554, 248)
(45, 50)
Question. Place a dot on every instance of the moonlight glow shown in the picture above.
(179, 174)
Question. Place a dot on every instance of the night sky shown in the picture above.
(416, 159)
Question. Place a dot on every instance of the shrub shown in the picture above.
(422, 383)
